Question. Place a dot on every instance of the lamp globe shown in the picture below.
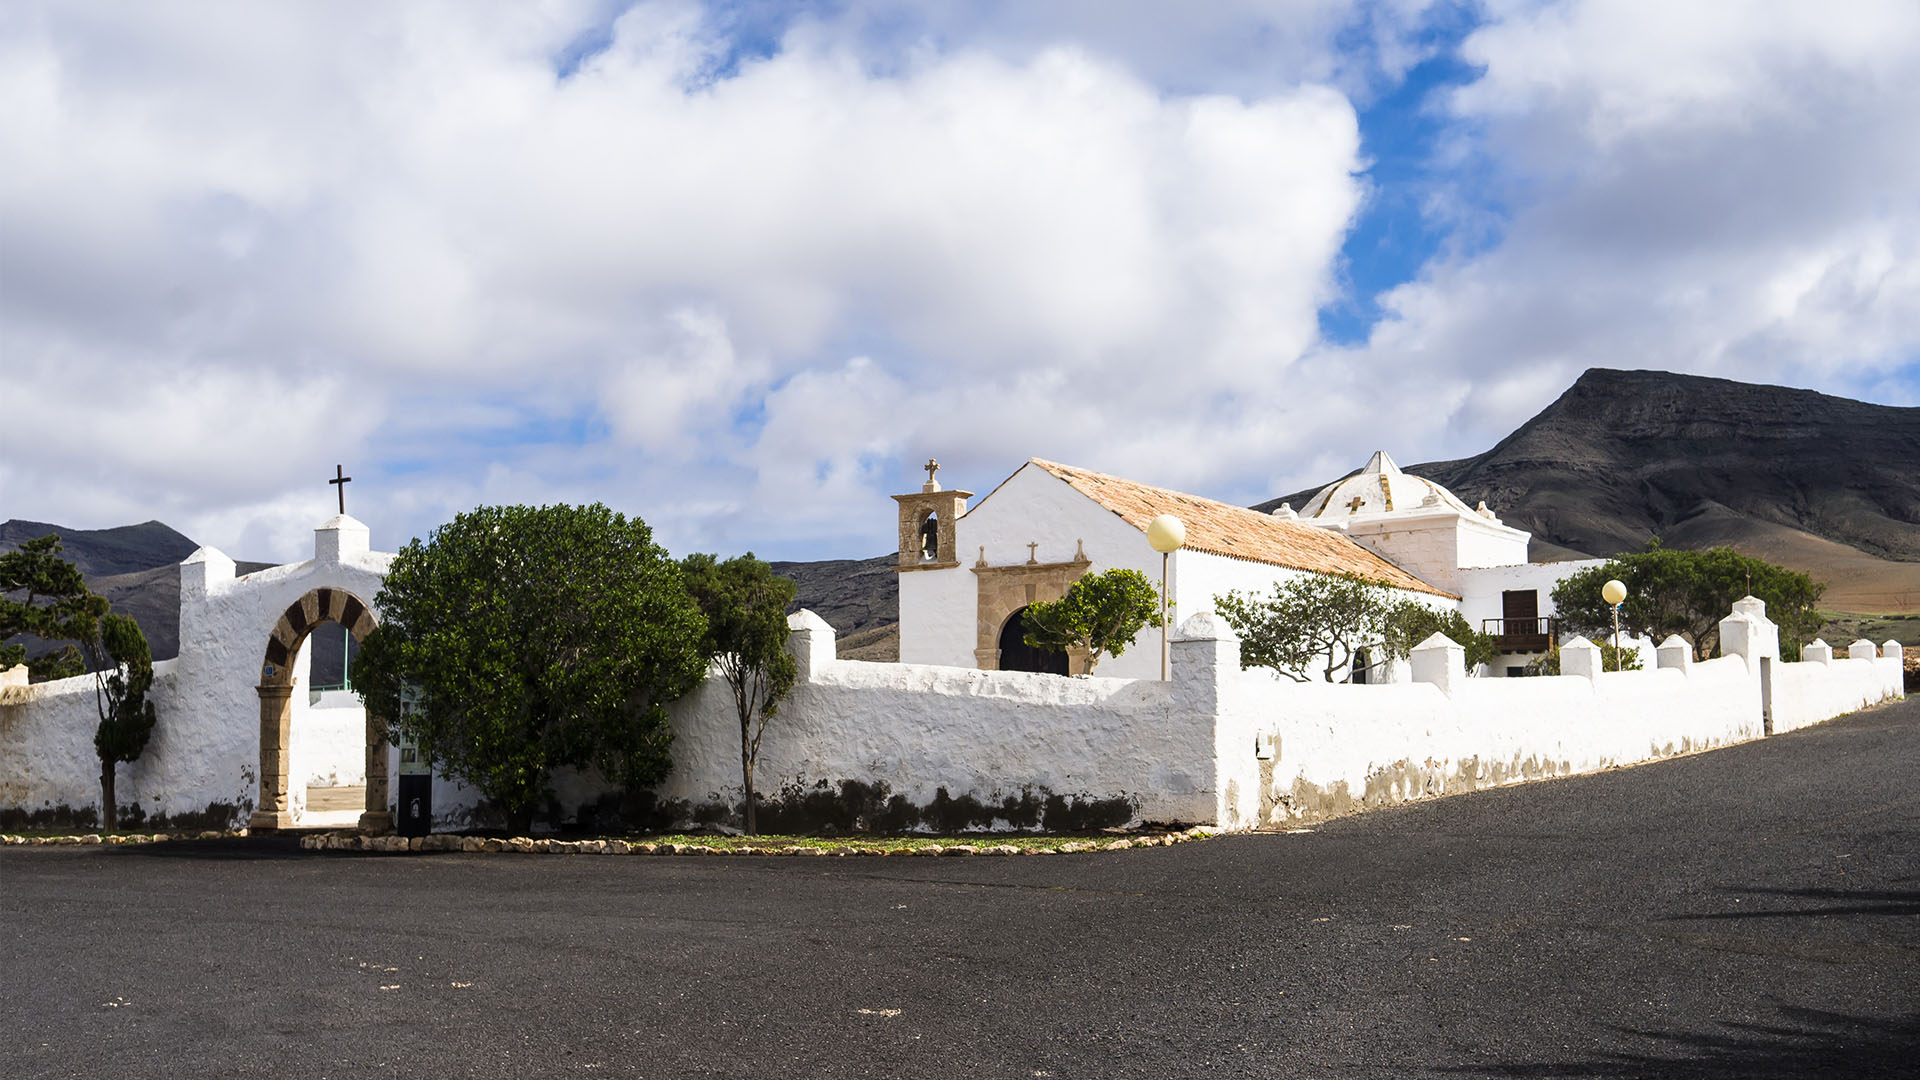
(1166, 533)
(1613, 592)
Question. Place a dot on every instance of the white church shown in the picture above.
(244, 740)
(967, 573)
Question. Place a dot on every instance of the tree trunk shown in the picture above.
(520, 821)
(109, 817)
(748, 763)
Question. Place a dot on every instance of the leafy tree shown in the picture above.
(1410, 622)
(122, 674)
(1670, 591)
(745, 605)
(1101, 613)
(1623, 658)
(1314, 620)
(44, 595)
(525, 639)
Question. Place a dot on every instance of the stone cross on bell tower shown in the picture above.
(927, 524)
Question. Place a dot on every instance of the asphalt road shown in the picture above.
(1752, 912)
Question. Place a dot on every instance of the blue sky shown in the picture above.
(739, 268)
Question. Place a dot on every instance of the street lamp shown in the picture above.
(1165, 534)
(1615, 592)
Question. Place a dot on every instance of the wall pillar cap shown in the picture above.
(340, 538)
(806, 619)
(1205, 626)
(1675, 641)
(207, 554)
(1891, 647)
(1751, 605)
(1578, 641)
(1438, 640)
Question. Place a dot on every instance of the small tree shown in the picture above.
(1670, 591)
(528, 639)
(745, 605)
(122, 674)
(1314, 620)
(44, 595)
(1410, 622)
(1101, 613)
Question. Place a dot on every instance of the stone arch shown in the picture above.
(1003, 591)
(317, 608)
(1017, 655)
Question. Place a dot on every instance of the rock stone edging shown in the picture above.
(396, 845)
(98, 839)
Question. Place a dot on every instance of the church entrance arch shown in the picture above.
(1017, 655)
(274, 810)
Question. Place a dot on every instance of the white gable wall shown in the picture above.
(939, 608)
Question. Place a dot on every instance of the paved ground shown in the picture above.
(1754, 913)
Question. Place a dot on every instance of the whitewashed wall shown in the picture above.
(1811, 691)
(1481, 587)
(202, 764)
(329, 740)
(921, 729)
(1193, 749)
(1436, 545)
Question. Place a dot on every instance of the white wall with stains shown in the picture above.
(202, 763)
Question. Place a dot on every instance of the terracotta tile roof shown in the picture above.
(1236, 532)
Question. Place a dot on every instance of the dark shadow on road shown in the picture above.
(1806, 1043)
(1852, 902)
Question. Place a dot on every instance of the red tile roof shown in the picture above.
(1236, 532)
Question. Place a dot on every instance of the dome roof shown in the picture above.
(1381, 488)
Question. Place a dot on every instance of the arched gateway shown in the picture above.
(318, 607)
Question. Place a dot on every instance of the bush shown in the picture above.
(519, 640)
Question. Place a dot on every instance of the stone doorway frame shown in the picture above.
(317, 608)
(1004, 590)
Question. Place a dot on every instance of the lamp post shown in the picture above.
(1615, 592)
(1165, 534)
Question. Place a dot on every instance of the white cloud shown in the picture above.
(397, 237)
(1723, 189)
(744, 296)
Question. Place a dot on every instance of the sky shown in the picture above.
(740, 268)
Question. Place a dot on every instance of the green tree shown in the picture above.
(527, 639)
(1311, 621)
(44, 595)
(1101, 613)
(122, 673)
(1410, 622)
(745, 605)
(1623, 658)
(1670, 591)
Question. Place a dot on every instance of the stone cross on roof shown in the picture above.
(340, 480)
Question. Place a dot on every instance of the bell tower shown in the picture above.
(927, 524)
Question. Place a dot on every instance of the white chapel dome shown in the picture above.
(1380, 488)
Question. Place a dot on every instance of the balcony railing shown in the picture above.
(1522, 635)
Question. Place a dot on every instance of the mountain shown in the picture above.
(1822, 484)
(136, 567)
(859, 598)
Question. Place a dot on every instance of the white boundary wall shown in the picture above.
(202, 764)
(1217, 744)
